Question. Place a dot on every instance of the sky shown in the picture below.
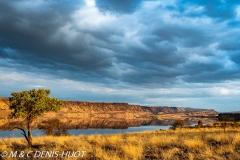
(180, 53)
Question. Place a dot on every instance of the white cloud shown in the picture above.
(90, 3)
(183, 95)
(91, 19)
(224, 91)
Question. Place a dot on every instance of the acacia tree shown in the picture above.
(53, 127)
(180, 124)
(30, 105)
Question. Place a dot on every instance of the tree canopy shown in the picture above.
(33, 103)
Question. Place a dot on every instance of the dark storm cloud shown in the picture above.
(132, 46)
(152, 77)
(116, 6)
(235, 57)
(230, 43)
(26, 39)
(198, 68)
(221, 9)
(213, 77)
(157, 54)
(154, 62)
(192, 37)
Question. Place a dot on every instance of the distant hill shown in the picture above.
(114, 109)
(186, 110)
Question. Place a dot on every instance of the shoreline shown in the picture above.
(200, 143)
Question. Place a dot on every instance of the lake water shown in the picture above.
(104, 126)
(17, 133)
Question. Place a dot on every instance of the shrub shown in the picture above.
(53, 127)
(200, 123)
(180, 124)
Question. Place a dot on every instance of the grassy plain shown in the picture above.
(190, 144)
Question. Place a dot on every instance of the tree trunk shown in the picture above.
(224, 124)
(23, 133)
(29, 128)
(30, 138)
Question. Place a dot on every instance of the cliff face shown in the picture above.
(187, 110)
(165, 109)
(101, 107)
(77, 109)
(4, 108)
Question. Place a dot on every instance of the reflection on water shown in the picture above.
(110, 123)
(104, 126)
(17, 133)
(113, 131)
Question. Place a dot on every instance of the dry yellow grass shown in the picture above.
(194, 143)
(179, 144)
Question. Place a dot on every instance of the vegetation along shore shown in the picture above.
(181, 143)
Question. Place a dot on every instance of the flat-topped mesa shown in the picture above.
(101, 106)
(186, 110)
(78, 109)
(162, 109)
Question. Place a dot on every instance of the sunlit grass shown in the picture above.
(194, 143)
(207, 143)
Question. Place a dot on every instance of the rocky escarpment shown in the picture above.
(103, 107)
(4, 108)
(165, 109)
(77, 109)
(186, 110)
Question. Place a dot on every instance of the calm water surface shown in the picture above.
(17, 133)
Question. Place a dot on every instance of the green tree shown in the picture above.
(180, 124)
(30, 105)
(53, 127)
